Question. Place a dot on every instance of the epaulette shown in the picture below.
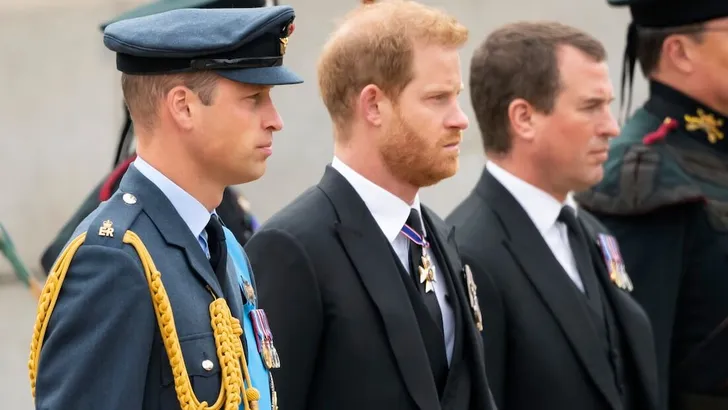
(643, 173)
(116, 216)
(110, 226)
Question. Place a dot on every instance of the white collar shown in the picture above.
(389, 211)
(542, 208)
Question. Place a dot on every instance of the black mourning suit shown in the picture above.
(352, 330)
(548, 345)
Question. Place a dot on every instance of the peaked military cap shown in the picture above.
(161, 6)
(673, 13)
(242, 44)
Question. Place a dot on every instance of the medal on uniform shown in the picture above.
(473, 297)
(615, 263)
(426, 268)
(427, 273)
(264, 339)
(249, 292)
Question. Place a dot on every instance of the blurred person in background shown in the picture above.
(665, 193)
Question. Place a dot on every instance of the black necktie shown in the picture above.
(217, 247)
(415, 260)
(580, 248)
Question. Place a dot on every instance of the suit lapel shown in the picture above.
(170, 225)
(626, 317)
(548, 278)
(449, 262)
(466, 330)
(370, 252)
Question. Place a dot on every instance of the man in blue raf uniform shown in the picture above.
(665, 193)
(234, 208)
(144, 309)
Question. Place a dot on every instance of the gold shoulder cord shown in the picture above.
(226, 330)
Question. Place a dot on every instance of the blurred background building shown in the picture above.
(61, 111)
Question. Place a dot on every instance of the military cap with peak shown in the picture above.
(246, 45)
(673, 13)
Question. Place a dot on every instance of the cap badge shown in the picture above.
(284, 44)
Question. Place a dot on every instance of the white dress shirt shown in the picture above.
(543, 209)
(391, 213)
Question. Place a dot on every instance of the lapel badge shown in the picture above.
(427, 273)
(249, 292)
(706, 122)
(473, 297)
(107, 229)
(615, 264)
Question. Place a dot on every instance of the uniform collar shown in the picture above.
(542, 208)
(189, 209)
(701, 123)
(388, 210)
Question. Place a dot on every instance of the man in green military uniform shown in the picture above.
(665, 193)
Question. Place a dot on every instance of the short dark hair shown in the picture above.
(142, 93)
(519, 60)
(650, 40)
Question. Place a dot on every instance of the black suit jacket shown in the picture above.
(344, 326)
(541, 350)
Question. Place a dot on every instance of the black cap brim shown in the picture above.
(278, 75)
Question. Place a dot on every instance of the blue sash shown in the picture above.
(258, 371)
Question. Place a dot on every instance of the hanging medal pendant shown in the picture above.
(275, 360)
(267, 356)
(273, 393)
(628, 286)
(614, 274)
(264, 337)
(427, 272)
(274, 356)
(249, 293)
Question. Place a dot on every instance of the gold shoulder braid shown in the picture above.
(226, 329)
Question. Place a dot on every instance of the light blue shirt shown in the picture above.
(195, 215)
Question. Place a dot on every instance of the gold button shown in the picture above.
(129, 199)
(207, 365)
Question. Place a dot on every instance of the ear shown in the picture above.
(680, 51)
(520, 115)
(372, 104)
(179, 103)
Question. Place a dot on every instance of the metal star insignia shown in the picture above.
(427, 274)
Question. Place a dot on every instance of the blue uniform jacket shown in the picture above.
(102, 347)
